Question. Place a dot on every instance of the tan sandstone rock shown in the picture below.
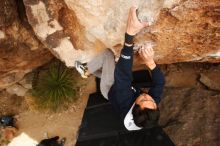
(20, 50)
(182, 30)
(16, 89)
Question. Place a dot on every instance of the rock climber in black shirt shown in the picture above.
(138, 110)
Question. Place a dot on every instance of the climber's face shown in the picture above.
(146, 101)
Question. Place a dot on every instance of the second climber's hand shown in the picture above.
(147, 55)
(133, 24)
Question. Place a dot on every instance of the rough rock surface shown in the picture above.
(181, 30)
(211, 79)
(20, 50)
(17, 90)
(181, 75)
(11, 104)
(191, 117)
(191, 75)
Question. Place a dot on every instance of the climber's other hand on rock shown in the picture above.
(147, 54)
(133, 24)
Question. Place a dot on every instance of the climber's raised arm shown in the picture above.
(158, 81)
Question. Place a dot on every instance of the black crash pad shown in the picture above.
(152, 137)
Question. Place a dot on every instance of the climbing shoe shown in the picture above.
(82, 69)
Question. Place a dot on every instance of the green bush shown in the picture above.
(54, 86)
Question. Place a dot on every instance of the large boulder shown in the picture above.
(20, 50)
(180, 30)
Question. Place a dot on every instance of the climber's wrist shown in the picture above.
(150, 64)
(129, 39)
(128, 45)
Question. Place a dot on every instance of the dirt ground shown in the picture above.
(36, 124)
(64, 124)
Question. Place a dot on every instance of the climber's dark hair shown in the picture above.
(146, 118)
